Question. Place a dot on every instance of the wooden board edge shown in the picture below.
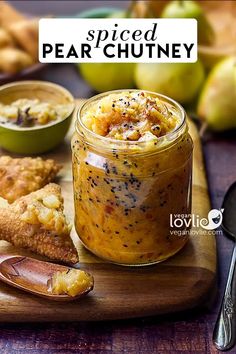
(115, 313)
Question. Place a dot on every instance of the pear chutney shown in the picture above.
(132, 167)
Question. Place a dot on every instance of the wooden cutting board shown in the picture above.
(180, 283)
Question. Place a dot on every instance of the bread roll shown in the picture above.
(5, 39)
(13, 60)
(25, 33)
(8, 15)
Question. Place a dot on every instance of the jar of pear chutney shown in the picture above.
(132, 168)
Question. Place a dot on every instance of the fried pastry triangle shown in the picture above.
(21, 176)
(37, 222)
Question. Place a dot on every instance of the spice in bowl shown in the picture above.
(29, 113)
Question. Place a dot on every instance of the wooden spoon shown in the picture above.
(34, 276)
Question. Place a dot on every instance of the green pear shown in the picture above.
(180, 81)
(217, 103)
(119, 14)
(190, 9)
(108, 76)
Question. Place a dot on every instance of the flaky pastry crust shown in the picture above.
(46, 230)
(21, 176)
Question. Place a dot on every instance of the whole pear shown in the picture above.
(108, 76)
(180, 81)
(217, 103)
(190, 9)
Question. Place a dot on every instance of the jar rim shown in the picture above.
(124, 143)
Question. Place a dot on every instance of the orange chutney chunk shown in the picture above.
(134, 116)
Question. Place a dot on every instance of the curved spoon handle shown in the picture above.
(224, 336)
(4, 256)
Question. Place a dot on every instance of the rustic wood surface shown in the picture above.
(187, 332)
(180, 283)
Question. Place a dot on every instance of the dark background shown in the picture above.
(189, 332)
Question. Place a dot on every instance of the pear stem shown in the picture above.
(203, 129)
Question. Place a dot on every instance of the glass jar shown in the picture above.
(126, 191)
